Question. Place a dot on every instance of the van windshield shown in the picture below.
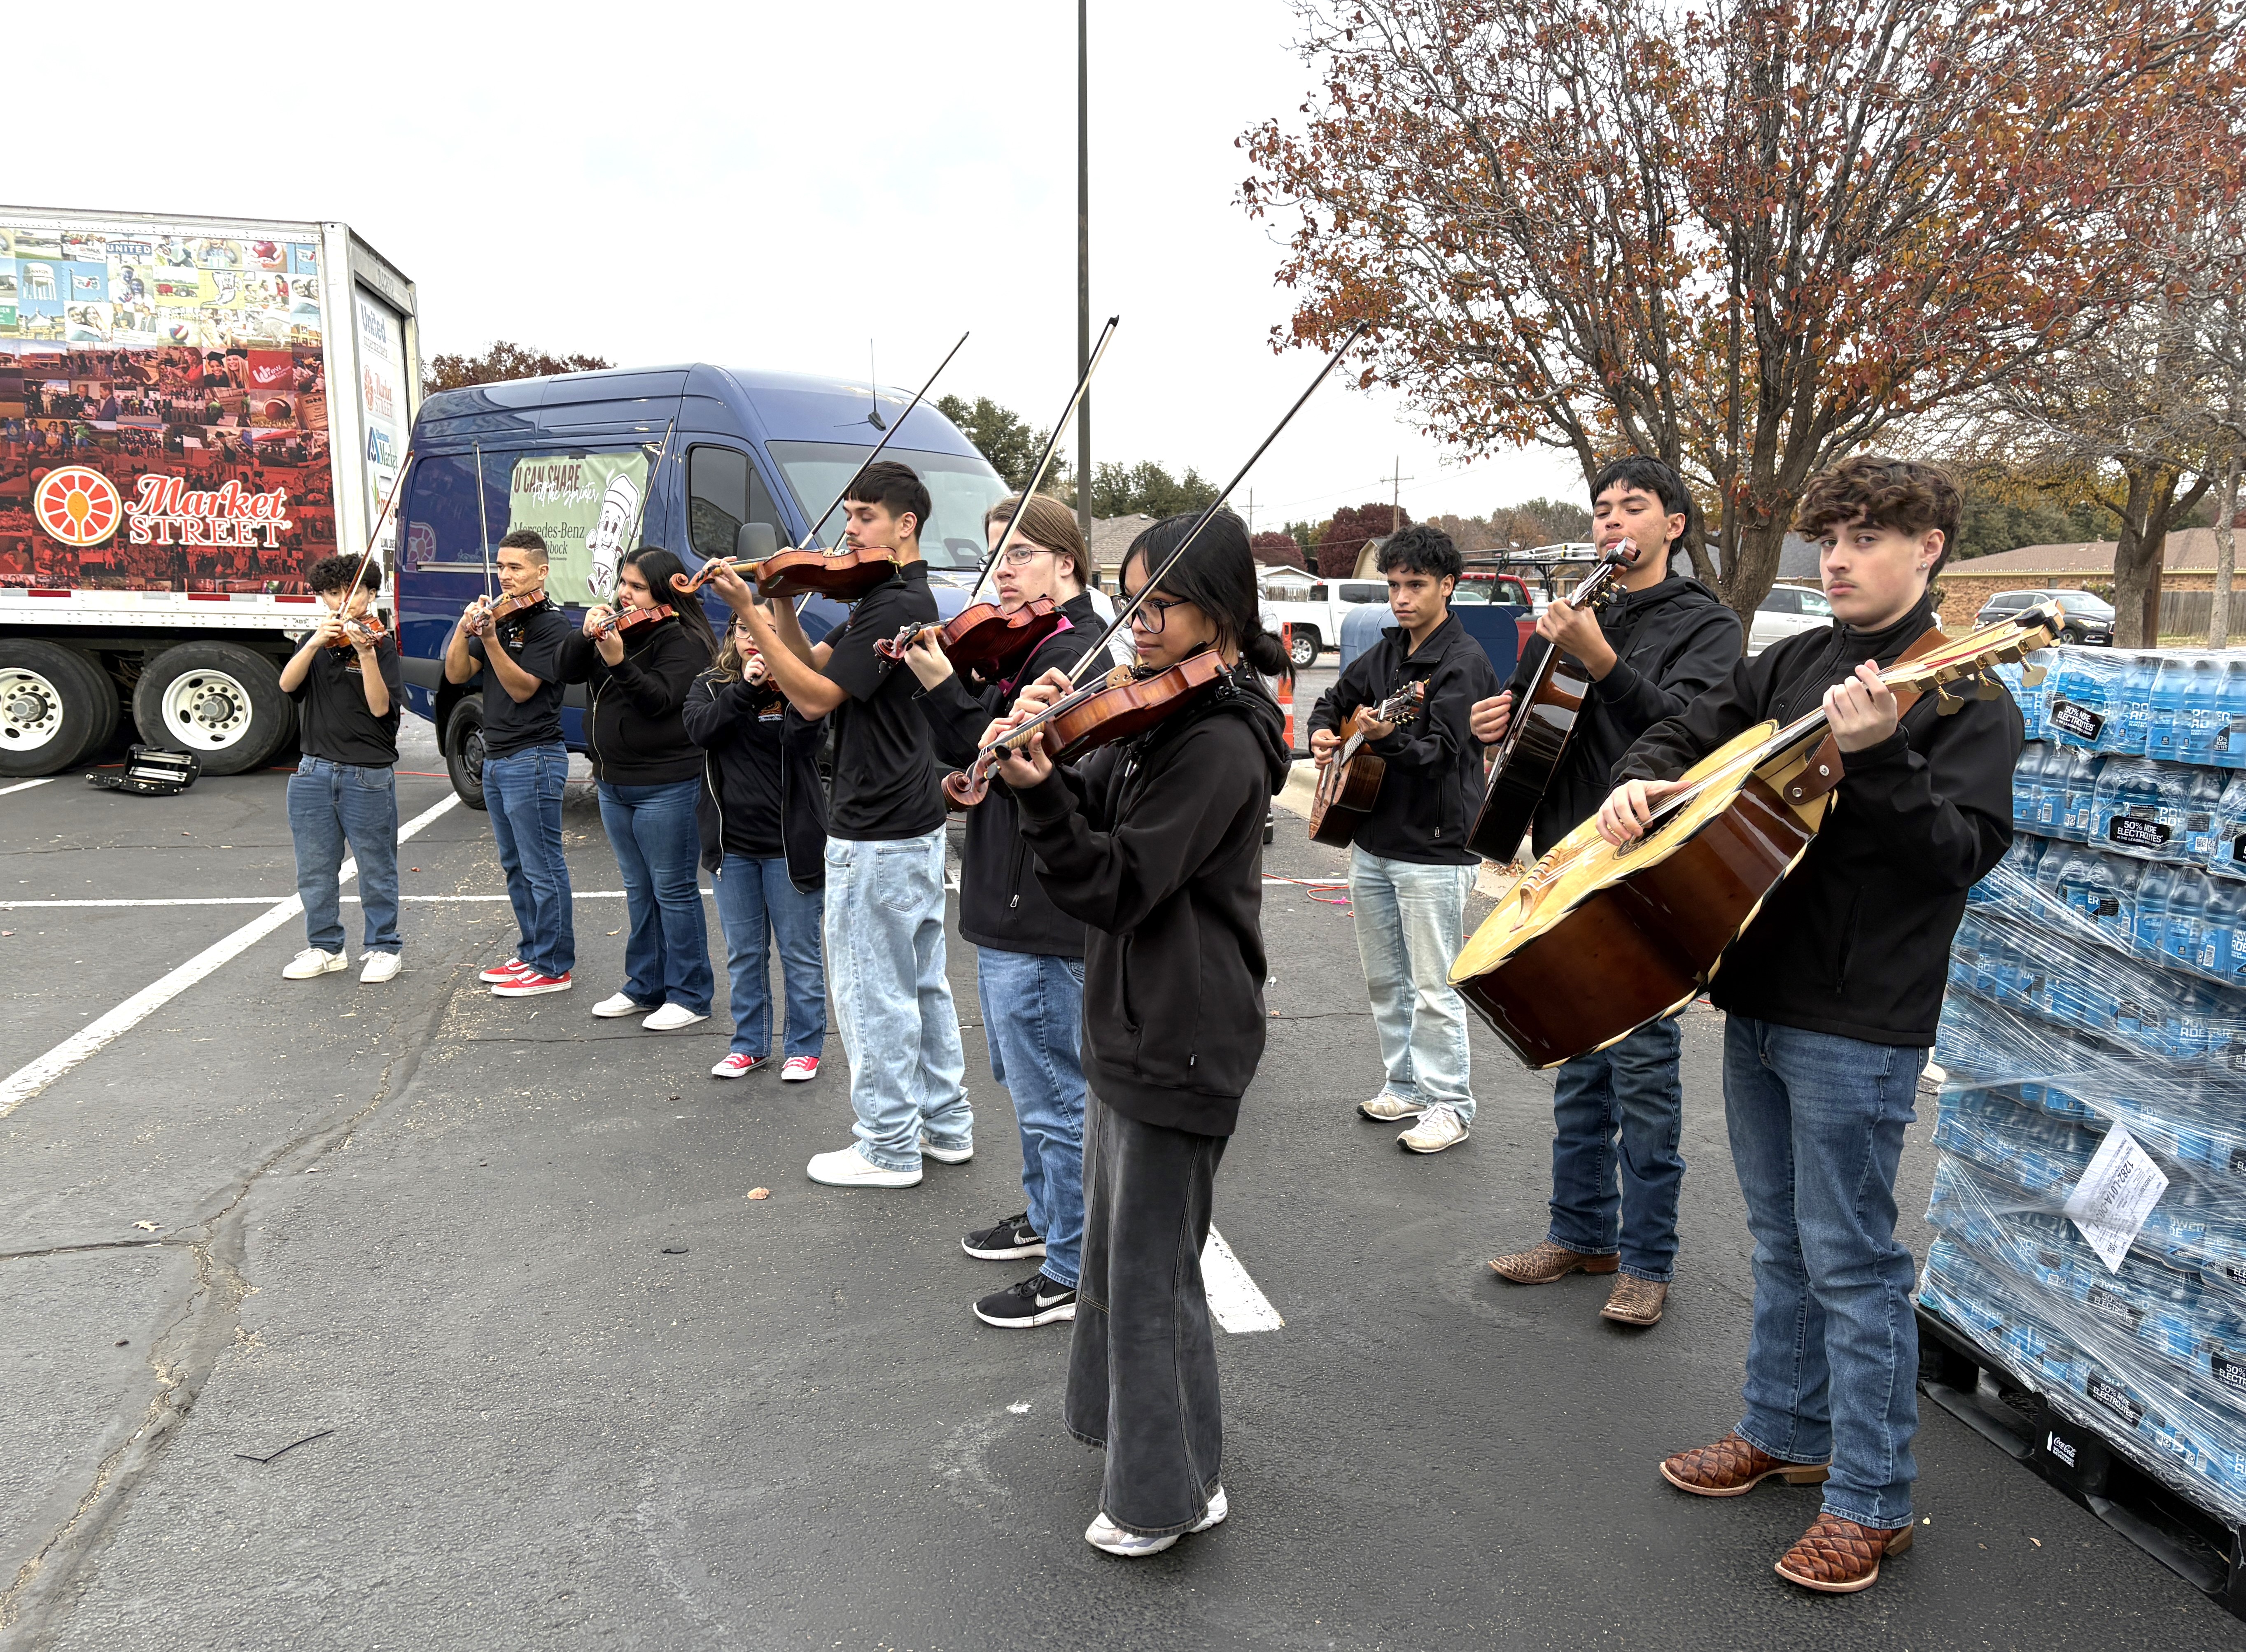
(960, 490)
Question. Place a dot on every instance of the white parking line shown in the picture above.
(1234, 1299)
(28, 1080)
(25, 785)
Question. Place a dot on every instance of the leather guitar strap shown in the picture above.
(1826, 767)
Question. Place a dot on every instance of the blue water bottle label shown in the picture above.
(2135, 833)
(2077, 720)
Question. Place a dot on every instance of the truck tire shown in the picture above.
(1302, 647)
(217, 700)
(464, 751)
(57, 707)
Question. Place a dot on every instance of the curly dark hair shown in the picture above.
(1421, 550)
(1905, 494)
(335, 573)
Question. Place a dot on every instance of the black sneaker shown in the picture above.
(1003, 1241)
(1036, 1301)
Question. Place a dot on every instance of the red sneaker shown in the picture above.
(530, 983)
(798, 1069)
(506, 971)
(738, 1065)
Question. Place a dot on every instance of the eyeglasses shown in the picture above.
(1152, 614)
(1017, 555)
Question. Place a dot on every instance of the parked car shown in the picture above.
(1788, 611)
(2089, 619)
(1315, 609)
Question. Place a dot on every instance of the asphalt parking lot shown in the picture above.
(405, 1316)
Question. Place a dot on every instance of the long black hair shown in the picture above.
(1217, 575)
(656, 566)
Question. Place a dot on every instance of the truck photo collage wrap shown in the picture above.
(163, 412)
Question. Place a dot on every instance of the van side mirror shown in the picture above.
(753, 541)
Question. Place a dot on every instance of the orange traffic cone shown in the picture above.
(1287, 683)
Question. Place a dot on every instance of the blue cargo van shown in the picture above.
(578, 448)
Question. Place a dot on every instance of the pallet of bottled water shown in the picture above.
(2090, 1189)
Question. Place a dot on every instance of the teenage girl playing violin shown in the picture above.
(1029, 962)
(1156, 843)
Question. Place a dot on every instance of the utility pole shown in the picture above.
(1396, 496)
(1251, 513)
(1084, 276)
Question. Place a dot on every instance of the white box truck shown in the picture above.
(192, 411)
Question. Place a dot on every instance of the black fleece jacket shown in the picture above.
(1433, 784)
(1001, 903)
(633, 731)
(1856, 940)
(730, 721)
(1675, 639)
(1157, 845)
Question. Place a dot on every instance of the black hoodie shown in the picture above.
(1157, 844)
(1673, 641)
(759, 749)
(1001, 903)
(1856, 940)
(1426, 802)
(633, 731)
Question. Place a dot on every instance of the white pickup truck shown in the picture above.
(1315, 609)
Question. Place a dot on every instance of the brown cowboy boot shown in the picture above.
(1635, 1302)
(1732, 1467)
(1545, 1262)
(1838, 1557)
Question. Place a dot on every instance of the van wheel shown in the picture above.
(219, 701)
(1302, 647)
(464, 751)
(56, 707)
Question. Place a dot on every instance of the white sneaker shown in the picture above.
(671, 1018)
(380, 967)
(623, 1004)
(1439, 1127)
(847, 1168)
(1388, 1108)
(313, 962)
(1104, 1534)
(944, 1155)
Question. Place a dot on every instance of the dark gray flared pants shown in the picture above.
(1142, 1362)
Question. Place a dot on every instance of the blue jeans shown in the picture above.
(522, 793)
(1033, 1018)
(1410, 923)
(1628, 1092)
(1817, 1126)
(757, 904)
(328, 803)
(892, 1000)
(658, 849)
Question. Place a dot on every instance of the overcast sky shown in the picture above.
(772, 186)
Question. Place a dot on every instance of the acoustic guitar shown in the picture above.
(1594, 940)
(1350, 780)
(1536, 740)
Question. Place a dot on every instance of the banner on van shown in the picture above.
(582, 505)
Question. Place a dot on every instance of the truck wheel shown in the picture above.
(56, 707)
(1302, 648)
(464, 751)
(220, 701)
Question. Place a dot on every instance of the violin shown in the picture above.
(368, 628)
(985, 639)
(491, 613)
(846, 576)
(1126, 702)
(623, 620)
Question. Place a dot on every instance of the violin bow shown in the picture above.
(1044, 460)
(375, 532)
(646, 492)
(898, 425)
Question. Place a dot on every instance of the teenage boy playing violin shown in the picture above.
(1831, 998)
(1649, 653)
(1029, 960)
(884, 917)
(1410, 870)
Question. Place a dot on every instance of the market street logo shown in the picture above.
(79, 505)
(164, 513)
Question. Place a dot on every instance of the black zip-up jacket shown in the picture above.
(1157, 845)
(721, 716)
(1001, 903)
(1674, 641)
(1856, 940)
(1434, 786)
(633, 731)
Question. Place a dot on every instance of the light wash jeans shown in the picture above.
(658, 850)
(1817, 1126)
(328, 803)
(892, 1001)
(758, 905)
(1033, 1020)
(1629, 1092)
(1410, 923)
(522, 793)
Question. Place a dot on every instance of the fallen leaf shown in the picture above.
(145, 1226)
(616, 931)
(760, 1192)
(2037, 1542)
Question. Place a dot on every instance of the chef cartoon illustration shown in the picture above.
(605, 544)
